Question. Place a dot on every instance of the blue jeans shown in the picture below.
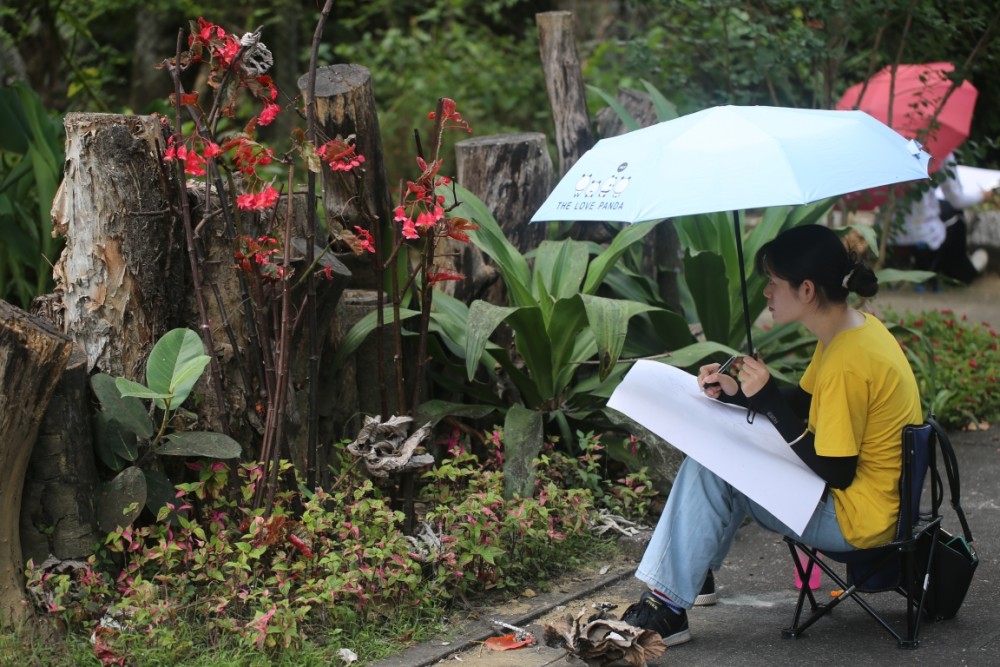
(697, 528)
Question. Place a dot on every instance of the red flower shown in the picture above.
(442, 276)
(269, 113)
(364, 238)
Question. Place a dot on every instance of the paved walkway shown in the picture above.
(755, 585)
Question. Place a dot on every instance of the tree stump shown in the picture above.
(564, 81)
(512, 174)
(122, 272)
(57, 508)
(345, 106)
(33, 356)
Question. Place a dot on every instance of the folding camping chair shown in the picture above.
(895, 566)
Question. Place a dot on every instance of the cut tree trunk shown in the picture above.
(345, 106)
(122, 272)
(512, 175)
(33, 356)
(564, 81)
(57, 507)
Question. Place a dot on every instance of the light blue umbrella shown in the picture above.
(732, 158)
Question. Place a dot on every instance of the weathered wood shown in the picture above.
(121, 274)
(57, 507)
(639, 104)
(512, 174)
(345, 107)
(564, 82)
(33, 356)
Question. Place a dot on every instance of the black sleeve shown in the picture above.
(770, 403)
(798, 399)
(739, 398)
(836, 471)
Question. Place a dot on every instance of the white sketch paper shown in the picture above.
(754, 458)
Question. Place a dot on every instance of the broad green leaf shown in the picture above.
(159, 490)
(484, 318)
(114, 445)
(130, 388)
(665, 109)
(126, 410)
(696, 353)
(628, 120)
(435, 410)
(560, 266)
(200, 443)
(886, 276)
(603, 263)
(168, 365)
(535, 347)
(360, 331)
(705, 276)
(608, 319)
(569, 317)
(490, 239)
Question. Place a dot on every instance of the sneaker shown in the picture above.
(706, 596)
(651, 613)
(980, 259)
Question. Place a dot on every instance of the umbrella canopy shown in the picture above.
(732, 158)
(927, 105)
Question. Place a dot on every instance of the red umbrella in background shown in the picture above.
(927, 105)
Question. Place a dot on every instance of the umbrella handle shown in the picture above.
(743, 280)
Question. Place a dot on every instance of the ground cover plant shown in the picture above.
(326, 567)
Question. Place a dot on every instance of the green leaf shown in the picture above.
(606, 261)
(168, 369)
(561, 266)
(665, 109)
(159, 490)
(435, 410)
(491, 240)
(484, 318)
(705, 275)
(114, 445)
(126, 410)
(360, 331)
(200, 443)
(608, 319)
(886, 276)
(628, 120)
(129, 388)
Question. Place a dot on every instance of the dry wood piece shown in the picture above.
(33, 356)
(57, 507)
(122, 273)
(564, 81)
(512, 174)
(598, 640)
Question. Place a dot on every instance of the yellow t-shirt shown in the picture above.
(863, 394)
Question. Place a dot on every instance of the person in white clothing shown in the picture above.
(935, 229)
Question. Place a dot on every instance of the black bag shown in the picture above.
(953, 559)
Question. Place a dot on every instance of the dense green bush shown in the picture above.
(956, 363)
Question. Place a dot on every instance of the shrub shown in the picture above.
(956, 364)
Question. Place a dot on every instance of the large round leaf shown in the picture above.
(200, 443)
(124, 409)
(175, 364)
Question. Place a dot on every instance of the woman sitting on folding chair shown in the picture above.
(843, 420)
